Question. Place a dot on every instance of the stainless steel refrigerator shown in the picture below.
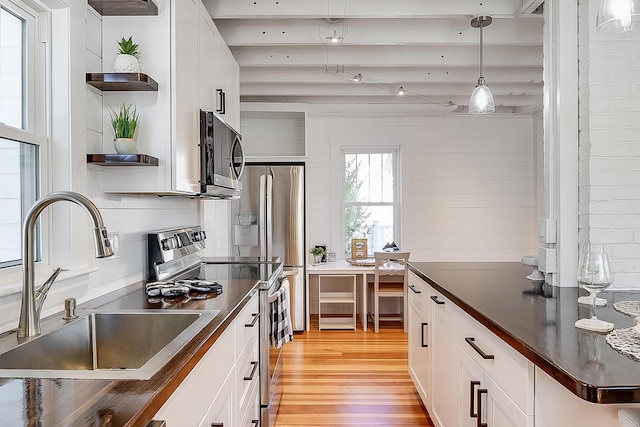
(268, 221)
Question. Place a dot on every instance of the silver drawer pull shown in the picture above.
(256, 316)
(413, 288)
(472, 343)
(253, 371)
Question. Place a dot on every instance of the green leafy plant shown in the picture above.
(317, 250)
(128, 47)
(125, 121)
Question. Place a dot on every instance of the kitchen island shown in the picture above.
(538, 323)
(62, 402)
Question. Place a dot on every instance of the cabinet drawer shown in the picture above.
(251, 416)
(507, 368)
(247, 372)
(418, 289)
(246, 323)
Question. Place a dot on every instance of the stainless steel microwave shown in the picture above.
(221, 158)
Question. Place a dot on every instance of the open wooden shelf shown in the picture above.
(122, 81)
(124, 7)
(122, 160)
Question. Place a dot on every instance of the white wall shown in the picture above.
(468, 183)
(609, 175)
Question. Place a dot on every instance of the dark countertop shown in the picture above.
(68, 402)
(539, 324)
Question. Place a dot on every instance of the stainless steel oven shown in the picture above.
(175, 254)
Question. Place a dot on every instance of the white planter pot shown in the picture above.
(125, 145)
(126, 64)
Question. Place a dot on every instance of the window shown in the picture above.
(22, 75)
(370, 198)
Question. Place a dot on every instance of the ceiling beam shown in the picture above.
(457, 31)
(388, 56)
(389, 75)
(261, 9)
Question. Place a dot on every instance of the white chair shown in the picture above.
(389, 264)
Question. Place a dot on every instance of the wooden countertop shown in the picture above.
(68, 402)
(540, 325)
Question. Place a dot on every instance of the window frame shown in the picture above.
(36, 116)
(395, 151)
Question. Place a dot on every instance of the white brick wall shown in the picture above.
(610, 144)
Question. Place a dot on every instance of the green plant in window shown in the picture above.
(356, 221)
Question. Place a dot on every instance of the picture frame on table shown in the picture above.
(359, 248)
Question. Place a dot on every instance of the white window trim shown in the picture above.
(37, 124)
(395, 149)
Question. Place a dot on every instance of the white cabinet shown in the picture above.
(462, 370)
(479, 400)
(183, 50)
(223, 387)
(226, 81)
(442, 353)
(431, 341)
(419, 322)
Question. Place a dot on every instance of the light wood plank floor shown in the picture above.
(349, 378)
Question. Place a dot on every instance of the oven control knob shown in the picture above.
(170, 243)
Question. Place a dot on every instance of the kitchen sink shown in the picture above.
(99, 345)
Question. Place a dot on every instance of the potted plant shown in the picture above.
(127, 57)
(317, 252)
(124, 124)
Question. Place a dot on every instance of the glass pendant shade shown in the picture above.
(481, 101)
(617, 16)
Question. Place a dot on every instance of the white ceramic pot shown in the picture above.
(126, 64)
(125, 145)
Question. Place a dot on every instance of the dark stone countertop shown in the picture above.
(69, 402)
(539, 324)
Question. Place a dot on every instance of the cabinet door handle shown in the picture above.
(422, 334)
(253, 371)
(436, 300)
(481, 391)
(255, 423)
(472, 398)
(471, 342)
(221, 97)
(413, 288)
(256, 316)
(217, 424)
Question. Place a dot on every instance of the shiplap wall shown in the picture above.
(469, 184)
(609, 176)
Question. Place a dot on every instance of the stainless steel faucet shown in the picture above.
(32, 299)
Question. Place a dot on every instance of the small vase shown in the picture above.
(125, 145)
(126, 64)
(317, 259)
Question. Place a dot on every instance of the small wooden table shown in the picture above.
(342, 267)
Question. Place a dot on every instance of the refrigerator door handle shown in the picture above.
(262, 216)
(269, 219)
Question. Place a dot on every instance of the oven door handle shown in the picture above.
(274, 296)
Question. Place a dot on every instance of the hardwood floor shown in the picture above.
(349, 378)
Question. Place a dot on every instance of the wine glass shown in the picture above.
(594, 275)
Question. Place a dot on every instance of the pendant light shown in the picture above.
(617, 16)
(481, 101)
